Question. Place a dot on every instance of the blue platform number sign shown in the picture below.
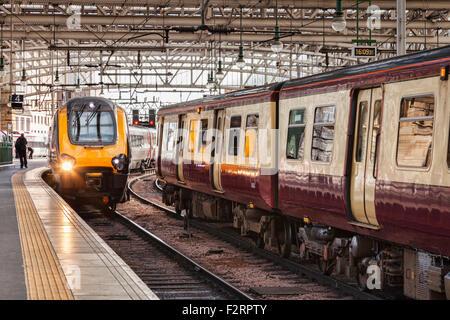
(17, 101)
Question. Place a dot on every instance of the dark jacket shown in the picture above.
(21, 144)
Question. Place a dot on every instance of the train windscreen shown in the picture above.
(92, 126)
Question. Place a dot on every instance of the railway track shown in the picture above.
(168, 272)
(304, 272)
(140, 173)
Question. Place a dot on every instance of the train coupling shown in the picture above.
(94, 180)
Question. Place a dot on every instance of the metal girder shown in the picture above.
(194, 21)
(346, 4)
(303, 38)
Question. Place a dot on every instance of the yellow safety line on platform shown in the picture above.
(44, 276)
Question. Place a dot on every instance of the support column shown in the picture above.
(5, 110)
(5, 126)
(401, 27)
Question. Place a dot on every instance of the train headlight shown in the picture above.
(67, 162)
(119, 162)
(67, 166)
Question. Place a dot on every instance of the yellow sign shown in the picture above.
(364, 52)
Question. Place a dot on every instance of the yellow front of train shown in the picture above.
(89, 151)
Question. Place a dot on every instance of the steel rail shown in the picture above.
(183, 259)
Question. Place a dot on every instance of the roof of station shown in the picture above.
(175, 45)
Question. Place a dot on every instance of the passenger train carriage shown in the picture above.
(89, 149)
(353, 165)
(143, 147)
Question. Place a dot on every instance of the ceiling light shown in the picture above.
(219, 74)
(23, 81)
(277, 45)
(240, 62)
(211, 83)
(57, 82)
(78, 87)
(339, 22)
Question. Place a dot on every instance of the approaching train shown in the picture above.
(90, 150)
(350, 167)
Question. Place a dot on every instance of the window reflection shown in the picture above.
(251, 136)
(235, 131)
(415, 131)
(87, 126)
(296, 134)
(323, 134)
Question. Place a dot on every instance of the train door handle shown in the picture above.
(376, 154)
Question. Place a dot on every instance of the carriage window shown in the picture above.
(235, 132)
(171, 131)
(296, 134)
(192, 134)
(362, 128)
(323, 134)
(415, 131)
(203, 135)
(375, 128)
(251, 135)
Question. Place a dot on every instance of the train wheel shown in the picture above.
(361, 278)
(186, 218)
(260, 240)
(284, 239)
(303, 252)
(325, 266)
(110, 207)
(178, 207)
(186, 223)
(163, 196)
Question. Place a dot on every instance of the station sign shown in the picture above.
(17, 101)
(364, 52)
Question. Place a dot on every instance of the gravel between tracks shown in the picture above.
(236, 266)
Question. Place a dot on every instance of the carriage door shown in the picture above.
(362, 185)
(216, 154)
(180, 147)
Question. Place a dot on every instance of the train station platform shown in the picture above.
(47, 252)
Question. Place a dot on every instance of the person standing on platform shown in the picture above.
(21, 148)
